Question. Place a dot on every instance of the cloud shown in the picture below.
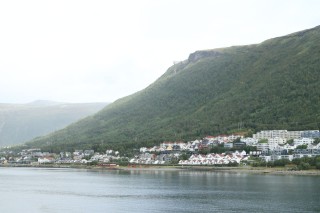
(84, 51)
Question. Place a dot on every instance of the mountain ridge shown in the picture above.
(261, 86)
(22, 122)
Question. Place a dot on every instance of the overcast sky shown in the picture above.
(90, 51)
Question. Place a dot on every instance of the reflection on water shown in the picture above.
(74, 190)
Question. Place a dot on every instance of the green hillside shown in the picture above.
(22, 122)
(271, 85)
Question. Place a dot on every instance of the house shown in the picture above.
(288, 147)
(169, 148)
(3, 160)
(265, 158)
(255, 153)
(242, 153)
(213, 159)
(109, 152)
(78, 151)
(143, 149)
(228, 145)
(234, 137)
(239, 145)
(289, 157)
(88, 152)
(249, 141)
(43, 160)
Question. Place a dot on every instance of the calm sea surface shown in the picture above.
(72, 190)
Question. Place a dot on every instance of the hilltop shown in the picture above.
(271, 85)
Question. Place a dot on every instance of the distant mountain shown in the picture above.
(271, 85)
(44, 103)
(22, 122)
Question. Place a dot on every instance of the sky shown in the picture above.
(100, 51)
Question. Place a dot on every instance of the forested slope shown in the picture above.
(271, 85)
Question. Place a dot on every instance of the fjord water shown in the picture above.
(75, 190)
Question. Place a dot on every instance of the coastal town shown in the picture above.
(234, 149)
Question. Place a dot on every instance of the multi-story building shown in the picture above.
(277, 140)
(311, 134)
(303, 141)
(300, 153)
(277, 134)
(294, 134)
(263, 135)
(263, 147)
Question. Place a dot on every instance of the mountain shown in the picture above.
(22, 122)
(44, 103)
(271, 85)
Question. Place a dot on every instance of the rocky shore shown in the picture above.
(247, 169)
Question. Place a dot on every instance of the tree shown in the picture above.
(304, 146)
(237, 140)
(263, 141)
(184, 156)
(316, 141)
(281, 162)
(218, 149)
(304, 166)
(290, 141)
(250, 148)
(249, 134)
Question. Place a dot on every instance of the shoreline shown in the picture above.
(244, 170)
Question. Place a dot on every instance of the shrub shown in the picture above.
(304, 166)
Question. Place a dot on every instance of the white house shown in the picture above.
(234, 137)
(249, 141)
(42, 160)
(143, 149)
(265, 158)
(212, 159)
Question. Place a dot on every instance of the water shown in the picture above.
(74, 190)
